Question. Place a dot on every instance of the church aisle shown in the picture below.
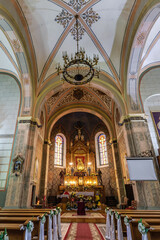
(82, 231)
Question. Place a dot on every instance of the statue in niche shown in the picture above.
(62, 174)
(17, 165)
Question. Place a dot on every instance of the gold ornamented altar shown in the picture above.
(80, 175)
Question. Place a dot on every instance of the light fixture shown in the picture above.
(79, 68)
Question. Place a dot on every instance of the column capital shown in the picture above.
(133, 117)
(30, 120)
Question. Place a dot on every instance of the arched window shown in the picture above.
(59, 150)
(102, 149)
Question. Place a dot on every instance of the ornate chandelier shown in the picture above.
(78, 68)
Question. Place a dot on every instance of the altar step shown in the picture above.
(90, 217)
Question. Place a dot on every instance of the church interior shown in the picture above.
(80, 116)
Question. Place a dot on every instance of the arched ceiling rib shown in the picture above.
(104, 36)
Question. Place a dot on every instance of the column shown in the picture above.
(138, 140)
(19, 189)
(44, 169)
(118, 171)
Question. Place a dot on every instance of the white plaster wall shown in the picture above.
(150, 84)
(9, 106)
(150, 94)
(151, 104)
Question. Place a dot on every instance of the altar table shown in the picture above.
(83, 193)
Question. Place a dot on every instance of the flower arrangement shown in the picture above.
(126, 221)
(117, 215)
(59, 210)
(51, 213)
(106, 209)
(142, 229)
(81, 196)
(30, 226)
(55, 212)
(111, 211)
(4, 235)
(68, 206)
(89, 198)
(43, 219)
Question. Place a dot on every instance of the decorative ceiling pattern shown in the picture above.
(79, 95)
(102, 24)
(46, 28)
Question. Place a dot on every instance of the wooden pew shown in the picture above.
(154, 230)
(13, 230)
(20, 213)
(135, 214)
(26, 216)
(22, 221)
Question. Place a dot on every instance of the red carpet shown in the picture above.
(82, 231)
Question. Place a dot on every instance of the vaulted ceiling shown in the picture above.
(46, 29)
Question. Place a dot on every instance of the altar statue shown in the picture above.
(100, 177)
(80, 165)
(62, 174)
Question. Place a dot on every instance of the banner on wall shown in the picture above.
(156, 121)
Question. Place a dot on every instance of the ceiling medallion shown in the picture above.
(78, 69)
(77, 4)
(64, 18)
(90, 17)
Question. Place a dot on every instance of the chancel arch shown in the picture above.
(81, 157)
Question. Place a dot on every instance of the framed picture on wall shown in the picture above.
(156, 121)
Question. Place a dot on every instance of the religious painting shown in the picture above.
(17, 165)
(156, 121)
(80, 163)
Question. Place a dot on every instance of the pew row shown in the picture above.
(115, 222)
(44, 222)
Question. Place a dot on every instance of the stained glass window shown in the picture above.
(58, 155)
(102, 146)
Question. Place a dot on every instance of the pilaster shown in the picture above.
(118, 171)
(138, 140)
(44, 169)
(19, 189)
